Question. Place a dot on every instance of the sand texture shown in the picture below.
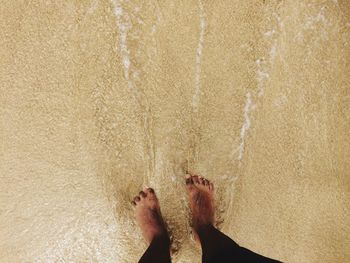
(99, 98)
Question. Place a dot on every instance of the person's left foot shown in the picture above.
(148, 215)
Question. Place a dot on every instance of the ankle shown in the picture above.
(162, 238)
(203, 228)
(202, 222)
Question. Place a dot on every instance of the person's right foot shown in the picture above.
(201, 195)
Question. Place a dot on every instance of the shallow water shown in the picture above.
(100, 98)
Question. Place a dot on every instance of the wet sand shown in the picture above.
(99, 98)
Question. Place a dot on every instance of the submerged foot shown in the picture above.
(201, 197)
(148, 216)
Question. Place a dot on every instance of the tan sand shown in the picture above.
(99, 98)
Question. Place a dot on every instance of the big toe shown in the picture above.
(151, 199)
(189, 182)
(207, 184)
(150, 191)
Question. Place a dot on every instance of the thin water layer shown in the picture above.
(100, 98)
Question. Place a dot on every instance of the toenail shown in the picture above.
(189, 181)
(151, 190)
(137, 199)
(142, 194)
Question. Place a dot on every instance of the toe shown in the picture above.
(189, 181)
(201, 181)
(137, 199)
(142, 194)
(206, 182)
(195, 179)
(150, 190)
(133, 203)
(190, 174)
(211, 186)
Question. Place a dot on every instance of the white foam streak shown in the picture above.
(124, 25)
(202, 25)
(246, 125)
(263, 67)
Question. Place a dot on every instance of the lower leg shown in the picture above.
(158, 251)
(214, 242)
(216, 246)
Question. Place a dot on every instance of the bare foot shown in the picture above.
(148, 216)
(201, 195)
